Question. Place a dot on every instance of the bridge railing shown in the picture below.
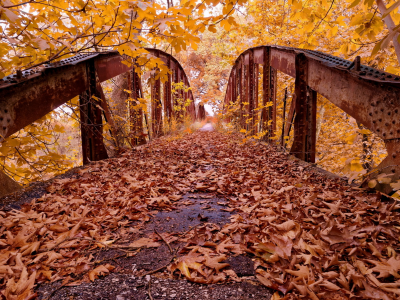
(370, 96)
(29, 95)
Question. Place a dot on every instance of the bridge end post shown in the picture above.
(304, 143)
(93, 148)
(135, 113)
(156, 108)
(167, 95)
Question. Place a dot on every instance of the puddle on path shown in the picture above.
(203, 210)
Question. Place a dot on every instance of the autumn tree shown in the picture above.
(34, 33)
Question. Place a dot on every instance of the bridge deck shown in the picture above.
(238, 214)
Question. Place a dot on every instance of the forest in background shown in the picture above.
(206, 40)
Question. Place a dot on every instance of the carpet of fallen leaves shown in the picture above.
(310, 236)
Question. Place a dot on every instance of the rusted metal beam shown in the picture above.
(283, 60)
(256, 112)
(26, 99)
(304, 143)
(23, 103)
(368, 95)
(311, 125)
(156, 108)
(250, 92)
(241, 94)
(167, 95)
(284, 119)
(300, 121)
(93, 148)
(273, 77)
(135, 112)
(266, 91)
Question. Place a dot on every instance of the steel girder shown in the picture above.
(369, 95)
(29, 95)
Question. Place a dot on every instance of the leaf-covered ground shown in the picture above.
(207, 210)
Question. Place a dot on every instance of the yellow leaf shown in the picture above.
(395, 185)
(393, 70)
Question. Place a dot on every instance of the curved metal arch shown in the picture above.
(30, 94)
(369, 95)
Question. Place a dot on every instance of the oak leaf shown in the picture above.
(302, 272)
(386, 268)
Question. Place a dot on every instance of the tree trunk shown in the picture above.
(119, 107)
(390, 25)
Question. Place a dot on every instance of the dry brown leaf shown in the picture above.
(101, 270)
(144, 242)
